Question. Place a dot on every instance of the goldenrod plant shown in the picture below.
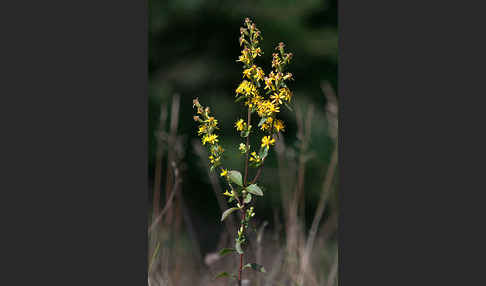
(263, 95)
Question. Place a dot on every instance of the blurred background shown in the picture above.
(193, 48)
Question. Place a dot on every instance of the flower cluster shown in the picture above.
(266, 102)
(206, 129)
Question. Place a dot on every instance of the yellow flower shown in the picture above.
(255, 158)
(242, 148)
(268, 83)
(202, 129)
(255, 100)
(266, 141)
(266, 108)
(285, 93)
(224, 172)
(244, 58)
(256, 52)
(228, 193)
(240, 125)
(267, 125)
(259, 74)
(211, 138)
(247, 73)
(276, 60)
(287, 76)
(278, 125)
(241, 87)
(277, 98)
(214, 159)
(272, 108)
(212, 122)
(247, 88)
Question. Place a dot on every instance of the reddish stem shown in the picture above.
(259, 172)
(241, 268)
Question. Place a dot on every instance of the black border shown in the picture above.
(72, 71)
(75, 143)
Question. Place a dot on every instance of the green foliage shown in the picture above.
(225, 251)
(254, 189)
(238, 247)
(247, 199)
(256, 267)
(263, 153)
(236, 177)
(262, 121)
(245, 133)
(228, 212)
(288, 106)
(222, 274)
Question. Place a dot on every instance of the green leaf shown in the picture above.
(225, 251)
(238, 247)
(262, 121)
(227, 212)
(245, 133)
(222, 274)
(235, 177)
(254, 189)
(240, 98)
(256, 267)
(263, 152)
(247, 199)
(288, 106)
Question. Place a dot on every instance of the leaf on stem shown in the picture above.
(222, 274)
(247, 198)
(225, 251)
(256, 267)
(288, 106)
(263, 152)
(238, 247)
(235, 177)
(262, 121)
(245, 133)
(254, 189)
(228, 212)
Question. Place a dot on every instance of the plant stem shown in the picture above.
(241, 268)
(247, 144)
(259, 172)
(244, 184)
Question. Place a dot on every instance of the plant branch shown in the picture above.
(247, 146)
(259, 172)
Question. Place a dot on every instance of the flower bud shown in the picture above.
(195, 102)
(287, 76)
(281, 47)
